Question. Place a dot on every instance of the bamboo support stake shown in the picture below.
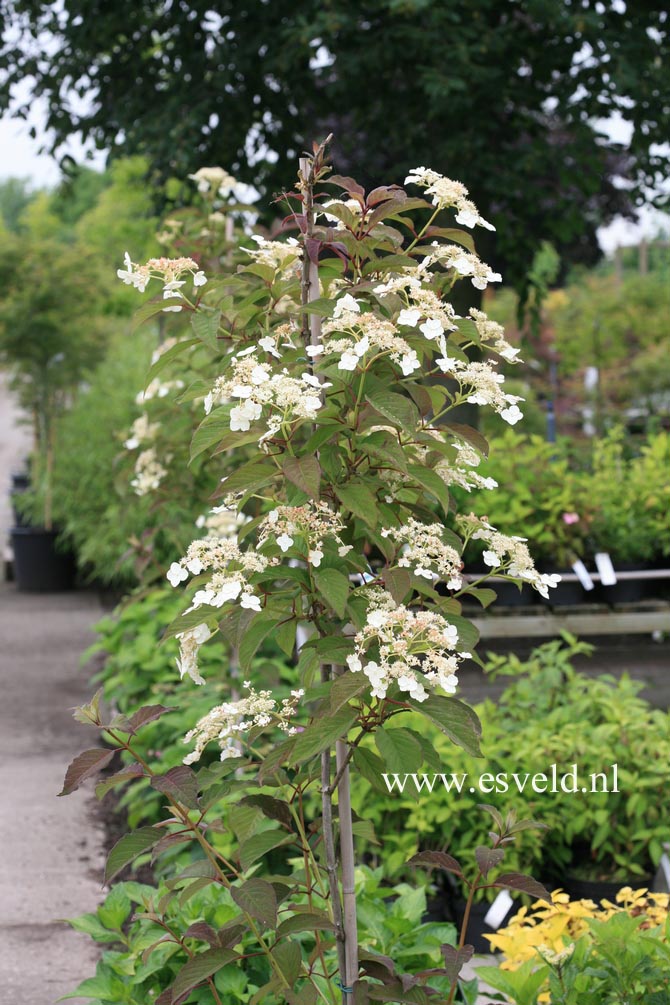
(344, 918)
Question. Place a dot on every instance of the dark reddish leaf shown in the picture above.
(455, 960)
(148, 713)
(523, 884)
(84, 765)
(127, 774)
(488, 858)
(438, 859)
(198, 969)
(179, 783)
(202, 931)
(349, 185)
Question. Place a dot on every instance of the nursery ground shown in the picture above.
(52, 861)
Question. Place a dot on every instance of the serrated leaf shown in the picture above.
(371, 767)
(148, 713)
(334, 588)
(273, 809)
(90, 714)
(488, 858)
(89, 763)
(401, 411)
(455, 719)
(258, 845)
(322, 733)
(470, 435)
(304, 472)
(128, 774)
(432, 483)
(258, 899)
(398, 582)
(483, 595)
(205, 614)
(288, 959)
(180, 783)
(249, 476)
(332, 648)
(455, 960)
(198, 969)
(358, 498)
(254, 636)
(306, 921)
(523, 884)
(167, 357)
(437, 859)
(345, 687)
(128, 848)
(206, 326)
(285, 636)
(212, 428)
(399, 750)
(146, 311)
(203, 932)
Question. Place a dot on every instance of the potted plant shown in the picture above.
(48, 340)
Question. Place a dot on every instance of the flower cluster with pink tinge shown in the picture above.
(414, 650)
(424, 552)
(507, 553)
(225, 723)
(169, 271)
(309, 524)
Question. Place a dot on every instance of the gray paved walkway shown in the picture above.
(51, 859)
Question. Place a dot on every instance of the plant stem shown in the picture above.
(347, 855)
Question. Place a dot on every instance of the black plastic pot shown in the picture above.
(20, 484)
(600, 889)
(567, 593)
(624, 591)
(509, 594)
(39, 566)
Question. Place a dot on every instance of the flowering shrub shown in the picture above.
(335, 452)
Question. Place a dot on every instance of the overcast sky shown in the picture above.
(21, 159)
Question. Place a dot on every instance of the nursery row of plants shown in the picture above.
(292, 469)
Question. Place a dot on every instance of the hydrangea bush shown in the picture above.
(332, 361)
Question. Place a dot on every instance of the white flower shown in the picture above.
(250, 601)
(284, 541)
(348, 361)
(491, 559)
(469, 217)
(199, 279)
(268, 344)
(209, 401)
(314, 557)
(354, 663)
(176, 574)
(511, 414)
(259, 375)
(314, 350)
(346, 303)
(227, 591)
(194, 566)
(409, 317)
(409, 363)
(432, 328)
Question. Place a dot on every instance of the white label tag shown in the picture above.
(661, 882)
(498, 910)
(605, 569)
(582, 574)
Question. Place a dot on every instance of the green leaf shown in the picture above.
(400, 751)
(345, 687)
(398, 582)
(322, 733)
(431, 481)
(257, 898)
(128, 848)
(454, 718)
(358, 498)
(212, 428)
(260, 844)
(453, 234)
(334, 588)
(485, 596)
(332, 648)
(468, 636)
(306, 921)
(397, 409)
(249, 476)
(205, 614)
(116, 908)
(470, 435)
(371, 767)
(146, 311)
(167, 357)
(206, 326)
(84, 765)
(304, 472)
(288, 958)
(198, 969)
(255, 634)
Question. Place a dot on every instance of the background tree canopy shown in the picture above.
(503, 94)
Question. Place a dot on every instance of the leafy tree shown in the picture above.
(15, 196)
(504, 93)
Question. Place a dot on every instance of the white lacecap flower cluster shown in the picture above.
(221, 521)
(465, 263)
(230, 567)
(507, 553)
(169, 271)
(149, 472)
(278, 255)
(284, 399)
(448, 194)
(310, 523)
(413, 649)
(424, 552)
(142, 431)
(214, 180)
(225, 723)
(365, 333)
